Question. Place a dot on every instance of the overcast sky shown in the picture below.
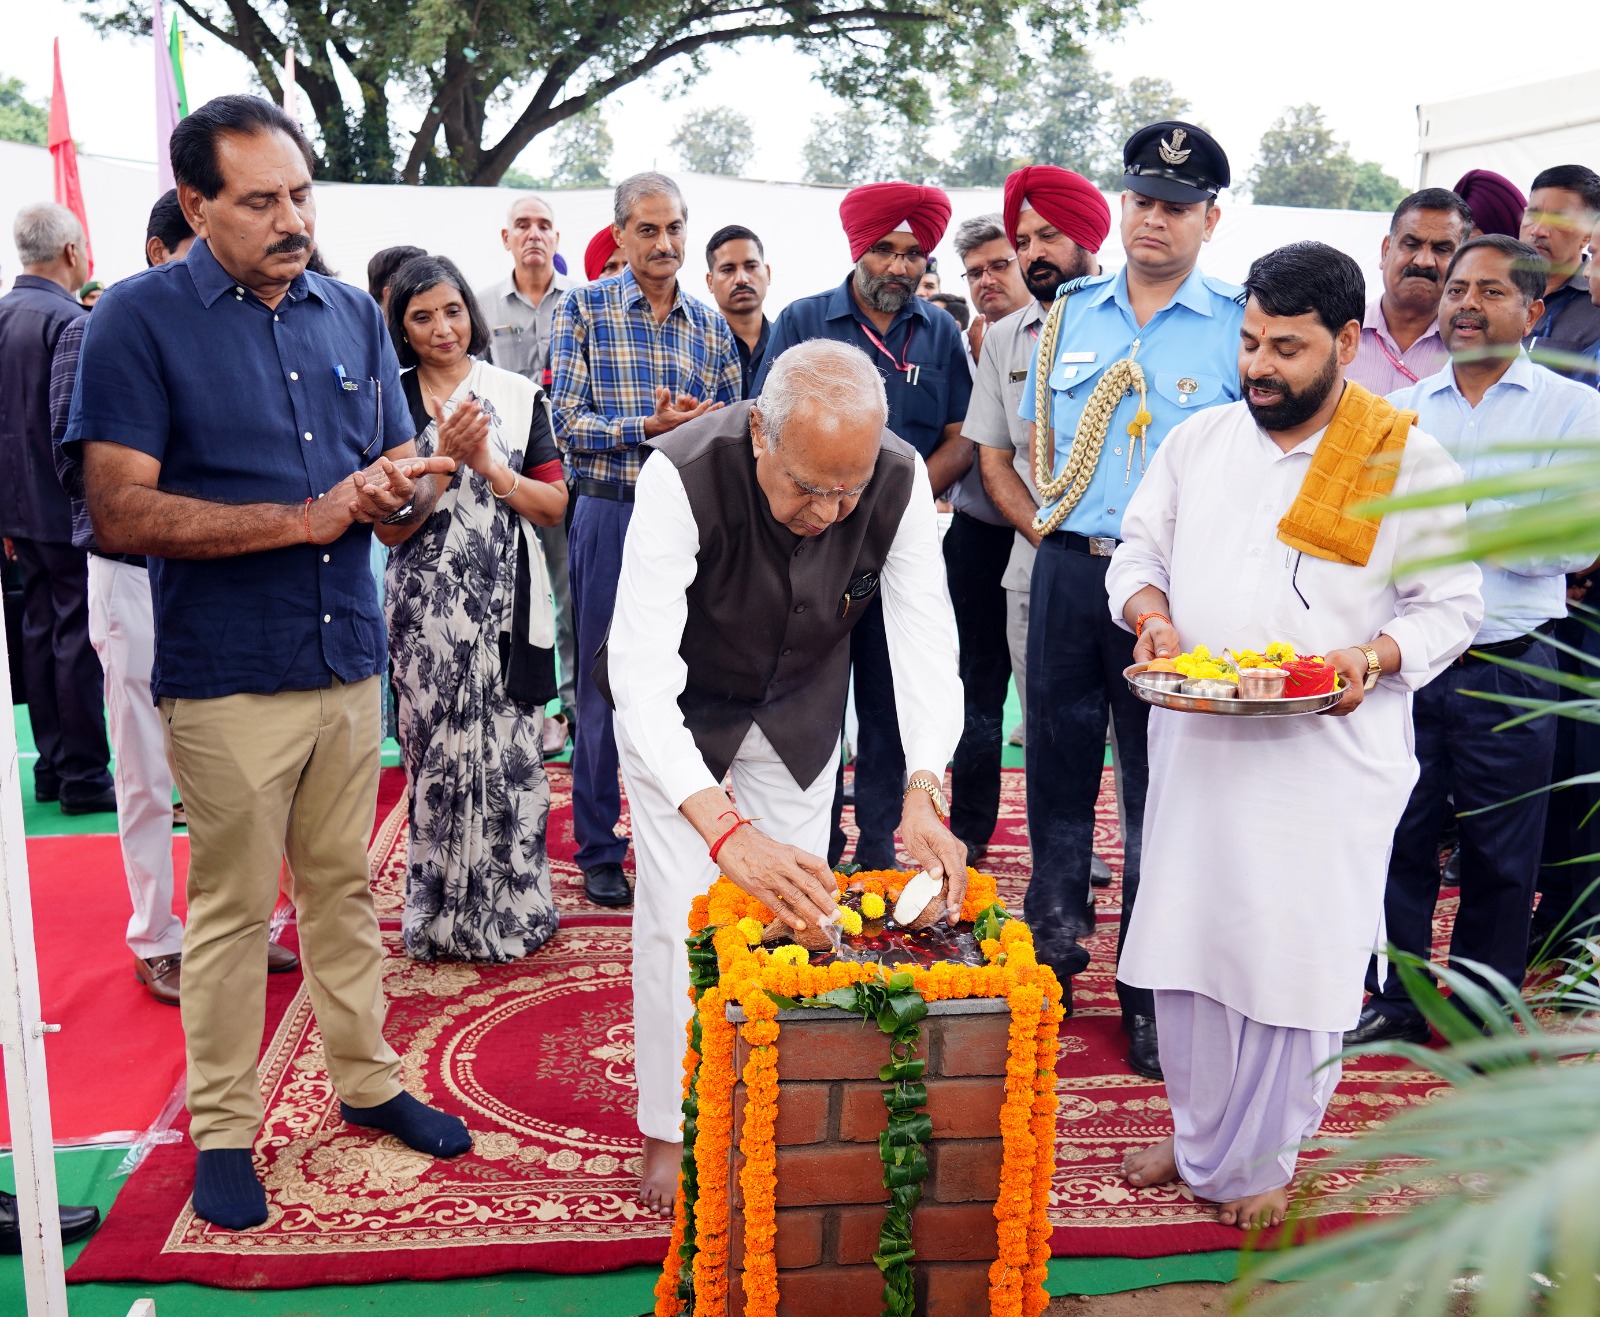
(1365, 62)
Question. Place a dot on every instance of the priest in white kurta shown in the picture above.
(1266, 840)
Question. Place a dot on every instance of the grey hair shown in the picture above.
(511, 210)
(977, 231)
(635, 188)
(820, 369)
(42, 230)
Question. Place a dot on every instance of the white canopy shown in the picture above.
(798, 224)
(1516, 131)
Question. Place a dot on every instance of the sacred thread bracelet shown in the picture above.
(1138, 625)
(739, 822)
(308, 521)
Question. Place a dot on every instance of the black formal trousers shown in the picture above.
(66, 687)
(880, 758)
(975, 558)
(1465, 760)
(1572, 828)
(1076, 654)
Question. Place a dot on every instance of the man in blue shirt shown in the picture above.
(1126, 357)
(632, 358)
(1491, 398)
(917, 348)
(241, 420)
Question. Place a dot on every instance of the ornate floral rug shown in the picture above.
(537, 1058)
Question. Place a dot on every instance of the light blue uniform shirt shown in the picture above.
(1193, 341)
(1527, 402)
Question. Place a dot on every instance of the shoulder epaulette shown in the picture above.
(1222, 288)
(1081, 282)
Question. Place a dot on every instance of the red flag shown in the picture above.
(69, 192)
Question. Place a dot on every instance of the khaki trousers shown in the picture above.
(264, 776)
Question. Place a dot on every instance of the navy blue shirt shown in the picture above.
(241, 403)
(923, 400)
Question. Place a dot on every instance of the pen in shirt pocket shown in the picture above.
(345, 382)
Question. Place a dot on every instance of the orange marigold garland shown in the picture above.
(755, 978)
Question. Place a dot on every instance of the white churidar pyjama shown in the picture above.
(122, 631)
(673, 869)
(1244, 1095)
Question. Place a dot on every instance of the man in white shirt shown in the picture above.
(521, 309)
(761, 534)
(1497, 414)
(1400, 341)
(1265, 839)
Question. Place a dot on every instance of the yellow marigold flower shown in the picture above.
(872, 905)
(791, 955)
(751, 929)
(1280, 651)
(850, 921)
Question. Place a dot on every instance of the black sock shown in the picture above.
(226, 1190)
(415, 1125)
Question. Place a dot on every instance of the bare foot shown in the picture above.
(1151, 1166)
(658, 1186)
(1258, 1212)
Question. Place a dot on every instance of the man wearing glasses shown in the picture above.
(918, 352)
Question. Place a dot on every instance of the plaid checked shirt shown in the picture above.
(609, 356)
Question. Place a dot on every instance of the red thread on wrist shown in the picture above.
(739, 822)
(1138, 625)
(308, 522)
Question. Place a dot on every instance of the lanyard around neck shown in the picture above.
(1395, 361)
(903, 363)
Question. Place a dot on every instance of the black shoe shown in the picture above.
(605, 885)
(47, 791)
(1088, 910)
(1063, 954)
(76, 1223)
(975, 852)
(1450, 876)
(1143, 1053)
(104, 803)
(1099, 872)
(1376, 1027)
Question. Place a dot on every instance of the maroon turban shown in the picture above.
(1069, 201)
(1496, 203)
(873, 212)
(598, 252)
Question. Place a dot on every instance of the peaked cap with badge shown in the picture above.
(1174, 161)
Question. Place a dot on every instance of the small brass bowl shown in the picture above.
(1262, 683)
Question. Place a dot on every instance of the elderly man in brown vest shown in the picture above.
(761, 535)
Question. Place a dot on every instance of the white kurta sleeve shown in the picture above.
(646, 671)
(920, 625)
(1437, 608)
(1145, 555)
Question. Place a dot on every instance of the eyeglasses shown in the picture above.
(994, 269)
(889, 255)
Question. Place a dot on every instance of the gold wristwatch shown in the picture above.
(927, 782)
(1374, 668)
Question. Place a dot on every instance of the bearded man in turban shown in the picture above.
(892, 229)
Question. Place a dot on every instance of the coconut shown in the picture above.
(810, 937)
(922, 901)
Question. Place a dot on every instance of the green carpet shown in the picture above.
(85, 1175)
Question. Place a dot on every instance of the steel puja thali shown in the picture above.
(1165, 691)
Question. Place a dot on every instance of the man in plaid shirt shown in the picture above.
(632, 357)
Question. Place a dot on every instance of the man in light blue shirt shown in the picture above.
(1497, 414)
(1181, 331)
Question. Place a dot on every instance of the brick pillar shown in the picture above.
(830, 1180)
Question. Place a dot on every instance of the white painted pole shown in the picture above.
(22, 1032)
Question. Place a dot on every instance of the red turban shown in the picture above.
(598, 252)
(873, 212)
(1069, 201)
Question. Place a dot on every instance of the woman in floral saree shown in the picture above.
(471, 633)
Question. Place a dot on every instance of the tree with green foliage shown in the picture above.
(550, 60)
(582, 152)
(865, 146)
(1301, 163)
(990, 98)
(715, 141)
(1068, 119)
(22, 120)
(1136, 105)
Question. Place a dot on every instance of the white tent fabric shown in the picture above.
(798, 223)
(1516, 131)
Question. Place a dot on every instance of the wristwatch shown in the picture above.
(1374, 668)
(927, 782)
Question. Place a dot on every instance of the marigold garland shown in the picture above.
(753, 977)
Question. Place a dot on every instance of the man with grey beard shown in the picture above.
(893, 229)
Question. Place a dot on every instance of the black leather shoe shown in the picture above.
(1088, 910)
(1376, 1027)
(1450, 876)
(76, 1223)
(104, 803)
(605, 885)
(1064, 956)
(1099, 872)
(975, 852)
(1143, 1053)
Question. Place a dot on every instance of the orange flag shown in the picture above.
(69, 192)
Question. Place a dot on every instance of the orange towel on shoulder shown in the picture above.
(1356, 462)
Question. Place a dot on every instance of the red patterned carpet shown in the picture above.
(537, 1058)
